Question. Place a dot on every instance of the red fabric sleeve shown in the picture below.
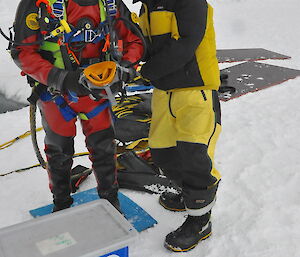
(132, 44)
(32, 63)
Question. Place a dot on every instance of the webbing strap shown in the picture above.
(58, 8)
(87, 35)
(95, 111)
(67, 112)
(102, 11)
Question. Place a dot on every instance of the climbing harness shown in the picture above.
(67, 112)
(51, 21)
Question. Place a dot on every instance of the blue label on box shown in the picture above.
(123, 252)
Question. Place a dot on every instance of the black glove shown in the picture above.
(71, 83)
(127, 72)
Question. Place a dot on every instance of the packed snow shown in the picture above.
(258, 205)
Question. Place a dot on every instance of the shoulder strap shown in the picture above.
(58, 8)
(102, 10)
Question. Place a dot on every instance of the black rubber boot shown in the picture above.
(112, 196)
(188, 235)
(172, 201)
(62, 204)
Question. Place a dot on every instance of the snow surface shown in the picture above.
(258, 207)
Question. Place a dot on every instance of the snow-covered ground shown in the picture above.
(257, 212)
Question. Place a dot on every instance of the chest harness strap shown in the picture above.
(57, 11)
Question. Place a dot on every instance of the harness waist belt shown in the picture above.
(67, 112)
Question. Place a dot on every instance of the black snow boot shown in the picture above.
(112, 196)
(60, 204)
(188, 235)
(172, 201)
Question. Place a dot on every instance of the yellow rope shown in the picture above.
(125, 108)
(9, 143)
(38, 165)
(138, 146)
(121, 110)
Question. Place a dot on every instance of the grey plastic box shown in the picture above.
(89, 230)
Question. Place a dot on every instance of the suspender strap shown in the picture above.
(102, 11)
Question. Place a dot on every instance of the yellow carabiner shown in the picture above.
(64, 27)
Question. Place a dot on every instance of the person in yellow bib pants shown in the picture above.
(186, 119)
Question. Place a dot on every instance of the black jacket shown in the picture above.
(182, 47)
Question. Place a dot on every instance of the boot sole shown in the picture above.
(174, 249)
(171, 209)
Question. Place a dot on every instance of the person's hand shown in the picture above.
(126, 72)
(71, 83)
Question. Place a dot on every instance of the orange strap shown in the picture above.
(72, 53)
(46, 2)
(107, 43)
